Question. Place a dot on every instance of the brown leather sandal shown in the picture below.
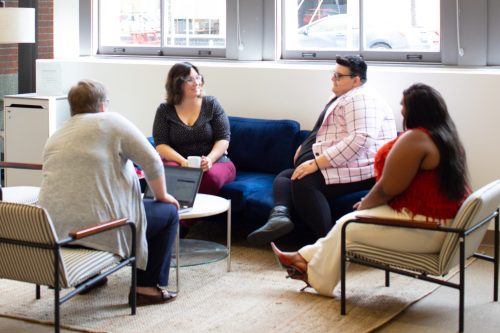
(164, 296)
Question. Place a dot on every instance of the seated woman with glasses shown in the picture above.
(190, 124)
(335, 159)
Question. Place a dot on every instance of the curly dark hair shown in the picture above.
(425, 107)
(356, 64)
(175, 79)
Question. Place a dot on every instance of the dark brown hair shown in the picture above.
(176, 77)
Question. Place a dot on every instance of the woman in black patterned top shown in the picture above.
(190, 124)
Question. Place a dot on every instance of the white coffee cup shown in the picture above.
(194, 161)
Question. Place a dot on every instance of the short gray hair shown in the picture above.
(87, 97)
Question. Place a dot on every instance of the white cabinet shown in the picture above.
(29, 120)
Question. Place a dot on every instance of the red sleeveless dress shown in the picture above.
(422, 196)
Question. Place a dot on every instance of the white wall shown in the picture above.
(291, 91)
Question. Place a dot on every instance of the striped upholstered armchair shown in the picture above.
(463, 237)
(30, 251)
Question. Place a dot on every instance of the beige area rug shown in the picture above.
(253, 297)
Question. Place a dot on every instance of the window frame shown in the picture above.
(161, 50)
(390, 56)
(261, 25)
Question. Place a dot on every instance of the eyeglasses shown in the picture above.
(338, 76)
(191, 79)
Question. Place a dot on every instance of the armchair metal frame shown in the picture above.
(347, 256)
(77, 235)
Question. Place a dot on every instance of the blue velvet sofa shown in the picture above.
(260, 149)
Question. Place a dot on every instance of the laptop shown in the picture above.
(182, 184)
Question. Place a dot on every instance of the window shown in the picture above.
(380, 30)
(428, 31)
(187, 27)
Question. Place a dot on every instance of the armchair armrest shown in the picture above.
(16, 165)
(102, 227)
(397, 222)
(98, 228)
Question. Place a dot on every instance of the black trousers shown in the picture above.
(162, 219)
(312, 199)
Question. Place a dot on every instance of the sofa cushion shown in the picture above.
(262, 145)
(256, 185)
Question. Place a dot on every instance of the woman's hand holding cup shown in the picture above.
(206, 163)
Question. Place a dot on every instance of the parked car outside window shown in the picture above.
(342, 32)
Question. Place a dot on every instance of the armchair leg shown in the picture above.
(342, 271)
(342, 288)
(57, 323)
(387, 279)
(133, 289)
(462, 286)
(37, 291)
(57, 290)
(495, 259)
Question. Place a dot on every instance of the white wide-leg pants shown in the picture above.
(323, 257)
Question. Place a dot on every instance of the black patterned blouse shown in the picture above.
(212, 125)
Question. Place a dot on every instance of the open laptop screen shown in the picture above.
(182, 183)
